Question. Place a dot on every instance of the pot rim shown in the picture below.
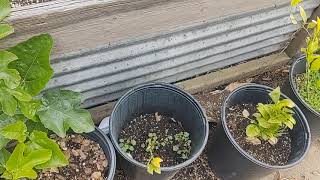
(97, 133)
(243, 152)
(294, 88)
(186, 95)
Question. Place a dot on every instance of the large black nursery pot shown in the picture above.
(165, 99)
(230, 161)
(99, 137)
(290, 88)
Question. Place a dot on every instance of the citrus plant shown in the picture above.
(26, 116)
(271, 119)
(308, 84)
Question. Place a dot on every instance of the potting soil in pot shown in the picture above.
(165, 135)
(277, 154)
(86, 160)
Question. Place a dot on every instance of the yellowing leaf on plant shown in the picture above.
(303, 14)
(295, 2)
(275, 95)
(154, 165)
(293, 19)
(315, 65)
(312, 25)
(252, 130)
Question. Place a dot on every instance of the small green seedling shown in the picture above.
(127, 145)
(183, 146)
(271, 119)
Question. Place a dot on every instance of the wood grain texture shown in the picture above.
(77, 29)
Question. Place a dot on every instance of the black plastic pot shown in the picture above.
(104, 142)
(165, 99)
(290, 88)
(230, 161)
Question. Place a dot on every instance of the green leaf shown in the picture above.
(312, 25)
(33, 63)
(288, 124)
(275, 95)
(21, 166)
(5, 9)
(252, 130)
(5, 30)
(10, 77)
(16, 131)
(39, 140)
(303, 14)
(315, 65)
(295, 2)
(286, 103)
(30, 108)
(4, 121)
(36, 126)
(4, 156)
(62, 111)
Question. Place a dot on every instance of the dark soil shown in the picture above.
(138, 130)
(277, 154)
(86, 160)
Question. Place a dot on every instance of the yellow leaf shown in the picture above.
(312, 25)
(295, 2)
(293, 19)
(156, 161)
(303, 14)
(154, 165)
(315, 65)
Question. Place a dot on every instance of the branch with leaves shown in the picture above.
(27, 116)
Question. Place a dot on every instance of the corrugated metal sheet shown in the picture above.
(105, 74)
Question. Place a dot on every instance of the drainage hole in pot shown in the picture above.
(86, 160)
(264, 151)
(154, 135)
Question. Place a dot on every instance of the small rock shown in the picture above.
(75, 153)
(87, 171)
(96, 175)
(266, 79)
(82, 155)
(86, 142)
(59, 177)
(215, 92)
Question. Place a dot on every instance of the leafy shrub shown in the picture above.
(25, 115)
(308, 84)
(271, 119)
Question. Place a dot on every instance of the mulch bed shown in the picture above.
(211, 102)
(86, 160)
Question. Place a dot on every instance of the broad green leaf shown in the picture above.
(33, 63)
(62, 111)
(295, 2)
(252, 130)
(303, 14)
(4, 156)
(30, 108)
(4, 9)
(263, 110)
(275, 95)
(5, 30)
(39, 140)
(16, 131)
(7, 101)
(4, 121)
(293, 19)
(36, 126)
(21, 166)
(10, 77)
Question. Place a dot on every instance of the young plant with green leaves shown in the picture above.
(152, 144)
(308, 83)
(183, 146)
(270, 120)
(127, 145)
(27, 116)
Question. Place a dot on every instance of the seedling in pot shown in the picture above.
(183, 146)
(271, 120)
(127, 145)
(308, 83)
